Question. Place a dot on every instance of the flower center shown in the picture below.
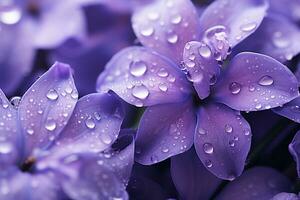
(28, 164)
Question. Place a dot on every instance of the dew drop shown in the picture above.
(165, 150)
(163, 87)
(106, 139)
(50, 125)
(15, 101)
(162, 72)
(231, 143)
(235, 88)
(148, 31)
(140, 92)
(248, 27)
(204, 51)
(52, 95)
(5, 148)
(208, 163)
(176, 19)
(30, 131)
(266, 80)
(172, 38)
(138, 68)
(11, 16)
(208, 148)
(246, 132)
(89, 123)
(201, 131)
(279, 41)
(228, 128)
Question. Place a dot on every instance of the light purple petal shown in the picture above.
(59, 22)
(222, 140)
(14, 44)
(192, 180)
(285, 196)
(276, 37)
(166, 26)
(257, 183)
(238, 19)
(15, 184)
(10, 138)
(47, 106)
(286, 8)
(120, 157)
(255, 82)
(94, 181)
(290, 110)
(200, 66)
(164, 131)
(141, 77)
(94, 124)
(294, 148)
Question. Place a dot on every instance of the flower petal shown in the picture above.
(256, 183)
(239, 19)
(94, 124)
(191, 178)
(143, 78)
(276, 37)
(164, 131)
(166, 26)
(255, 82)
(201, 67)
(94, 181)
(291, 8)
(222, 140)
(290, 110)
(285, 196)
(294, 147)
(47, 106)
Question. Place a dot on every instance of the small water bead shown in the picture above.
(97, 116)
(228, 128)
(90, 123)
(163, 87)
(52, 95)
(246, 132)
(68, 89)
(195, 77)
(50, 125)
(172, 38)
(162, 72)
(106, 139)
(74, 95)
(176, 19)
(153, 16)
(231, 143)
(248, 27)
(204, 51)
(258, 106)
(201, 131)
(147, 31)
(235, 88)
(280, 41)
(266, 81)
(5, 148)
(11, 16)
(15, 101)
(138, 68)
(208, 148)
(140, 92)
(30, 131)
(213, 80)
(251, 88)
(208, 163)
(165, 150)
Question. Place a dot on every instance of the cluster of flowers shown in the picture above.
(200, 69)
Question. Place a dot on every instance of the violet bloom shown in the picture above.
(53, 146)
(150, 76)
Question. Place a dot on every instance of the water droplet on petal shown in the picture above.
(163, 87)
(30, 131)
(231, 143)
(266, 80)
(228, 128)
(147, 31)
(52, 95)
(280, 41)
(5, 148)
(208, 163)
(162, 72)
(89, 122)
(172, 38)
(235, 88)
(138, 68)
(208, 148)
(50, 125)
(176, 19)
(201, 131)
(248, 27)
(140, 92)
(15, 101)
(11, 16)
(205, 51)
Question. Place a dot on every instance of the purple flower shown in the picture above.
(151, 76)
(53, 146)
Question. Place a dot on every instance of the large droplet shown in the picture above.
(50, 125)
(280, 41)
(163, 87)
(138, 68)
(147, 31)
(11, 16)
(266, 80)
(52, 95)
(162, 72)
(235, 88)
(5, 148)
(248, 27)
(89, 123)
(140, 92)
(208, 148)
(205, 51)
